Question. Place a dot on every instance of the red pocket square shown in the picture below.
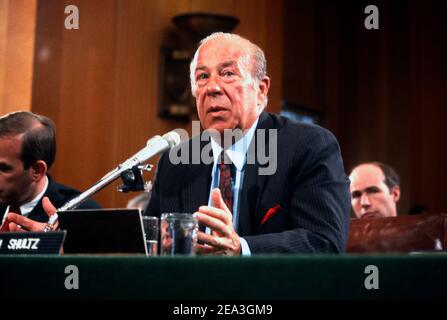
(271, 212)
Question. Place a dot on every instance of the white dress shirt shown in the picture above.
(238, 156)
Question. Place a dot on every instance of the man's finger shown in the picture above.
(17, 219)
(14, 227)
(48, 207)
(25, 222)
(212, 223)
(213, 211)
(217, 213)
(217, 201)
(217, 242)
(205, 249)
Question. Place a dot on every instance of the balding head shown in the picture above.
(373, 193)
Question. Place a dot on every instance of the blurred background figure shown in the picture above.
(141, 200)
(375, 190)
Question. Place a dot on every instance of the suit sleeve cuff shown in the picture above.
(244, 247)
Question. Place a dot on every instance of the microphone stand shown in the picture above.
(102, 183)
(154, 146)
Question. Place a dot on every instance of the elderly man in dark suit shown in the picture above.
(27, 151)
(298, 204)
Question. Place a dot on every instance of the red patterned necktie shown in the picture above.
(226, 180)
(5, 226)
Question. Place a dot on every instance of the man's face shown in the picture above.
(370, 196)
(227, 96)
(15, 182)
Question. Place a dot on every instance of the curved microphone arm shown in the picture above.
(108, 179)
(77, 201)
(154, 146)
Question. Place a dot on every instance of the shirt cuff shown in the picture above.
(245, 248)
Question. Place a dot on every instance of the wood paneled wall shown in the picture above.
(100, 83)
(382, 92)
(17, 24)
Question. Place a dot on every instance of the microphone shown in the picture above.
(153, 147)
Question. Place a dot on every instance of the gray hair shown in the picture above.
(258, 62)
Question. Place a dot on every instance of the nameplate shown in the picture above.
(31, 242)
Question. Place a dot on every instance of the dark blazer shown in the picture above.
(58, 195)
(303, 207)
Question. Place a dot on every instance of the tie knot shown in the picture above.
(224, 158)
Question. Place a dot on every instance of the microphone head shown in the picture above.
(172, 138)
(153, 140)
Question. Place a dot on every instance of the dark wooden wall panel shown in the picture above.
(382, 91)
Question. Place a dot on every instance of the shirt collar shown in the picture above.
(236, 152)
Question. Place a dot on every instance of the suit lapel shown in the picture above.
(253, 183)
(196, 193)
(249, 200)
(198, 179)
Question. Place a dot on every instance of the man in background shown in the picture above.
(27, 152)
(375, 190)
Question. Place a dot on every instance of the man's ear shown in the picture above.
(39, 170)
(263, 88)
(395, 192)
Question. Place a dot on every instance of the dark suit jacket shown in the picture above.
(58, 195)
(307, 197)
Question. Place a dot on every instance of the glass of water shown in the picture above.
(178, 234)
(151, 227)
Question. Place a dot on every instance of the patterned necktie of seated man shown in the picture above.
(226, 179)
(5, 226)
